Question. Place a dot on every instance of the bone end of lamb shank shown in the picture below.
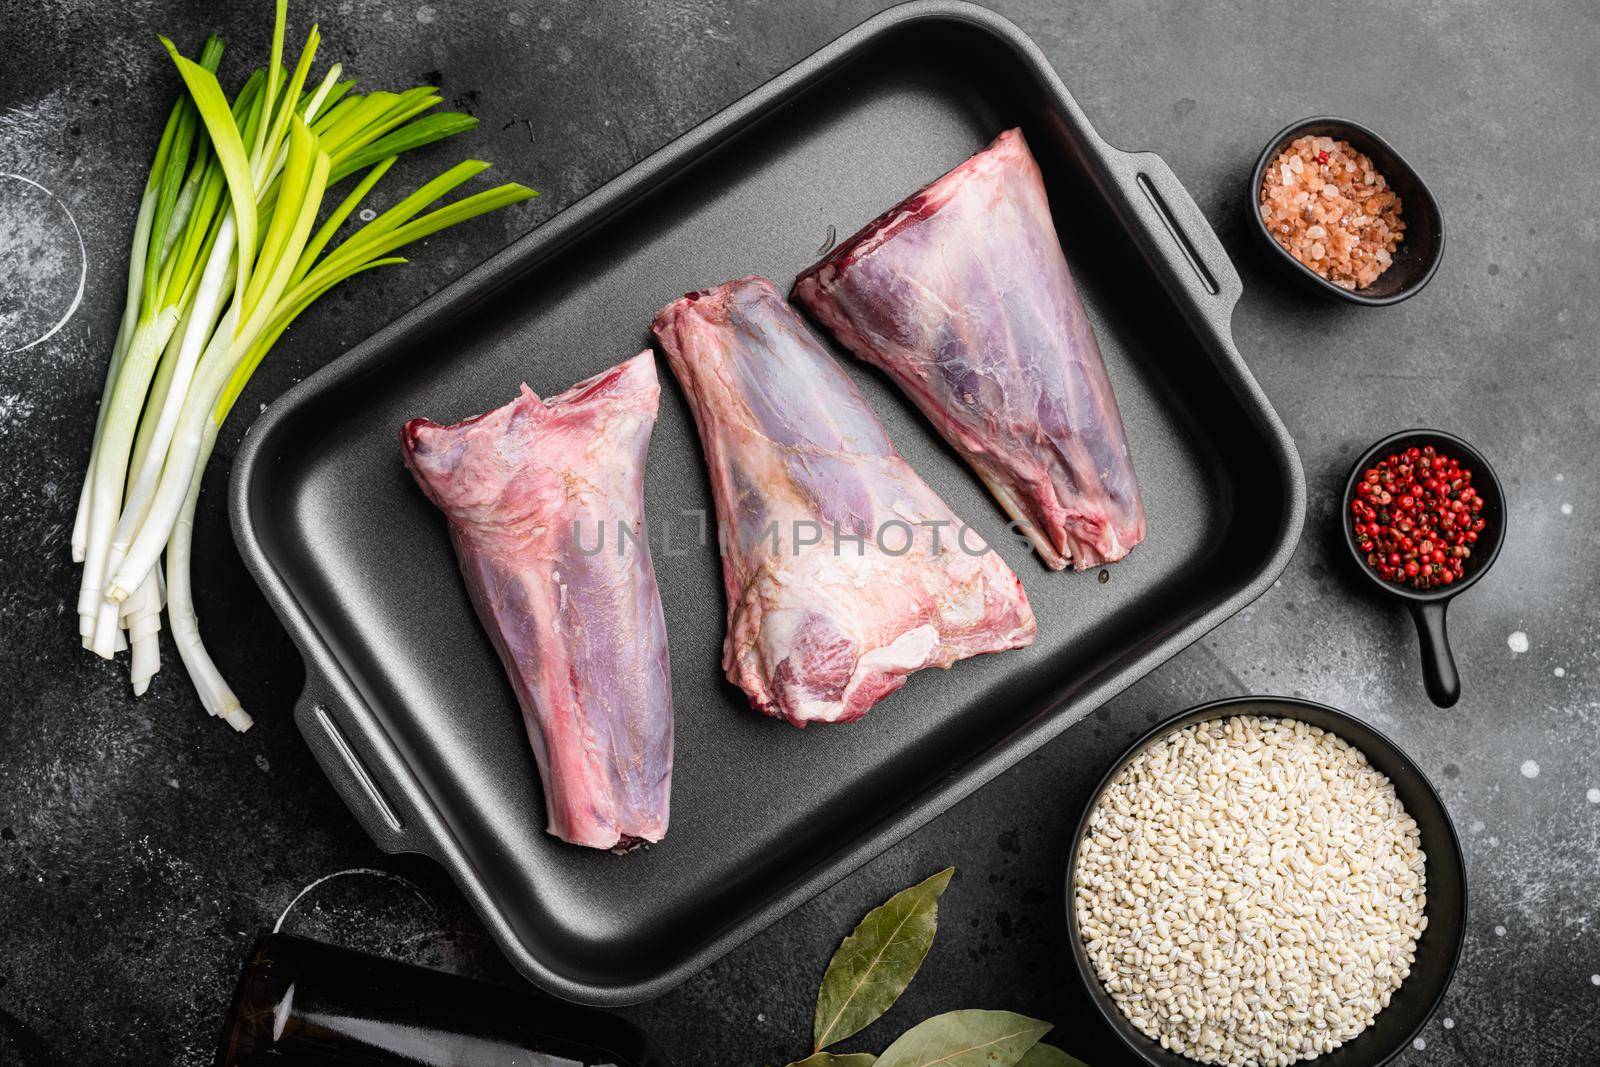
(526, 489)
(823, 626)
(962, 295)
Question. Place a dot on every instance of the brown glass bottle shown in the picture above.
(306, 1003)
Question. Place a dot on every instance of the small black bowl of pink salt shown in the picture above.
(1343, 212)
(1424, 519)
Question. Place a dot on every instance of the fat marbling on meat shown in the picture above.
(545, 506)
(961, 294)
(838, 583)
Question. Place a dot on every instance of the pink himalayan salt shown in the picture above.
(1329, 208)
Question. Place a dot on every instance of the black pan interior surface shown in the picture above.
(763, 815)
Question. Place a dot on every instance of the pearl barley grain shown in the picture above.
(1251, 891)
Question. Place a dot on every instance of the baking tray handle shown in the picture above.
(360, 762)
(1193, 255)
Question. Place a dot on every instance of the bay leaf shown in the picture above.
(873, 966)
(966, 1039)
(1042, 1055)
(832, 1059)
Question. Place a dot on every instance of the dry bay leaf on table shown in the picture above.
(875, 963)
(966, 1039)
(1043, 1055)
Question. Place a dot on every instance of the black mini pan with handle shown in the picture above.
(1428, 607)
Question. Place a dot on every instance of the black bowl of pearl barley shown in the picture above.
(1163, 789)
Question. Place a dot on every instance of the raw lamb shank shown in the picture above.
(527, 489)
(836, 591)
(962, 296)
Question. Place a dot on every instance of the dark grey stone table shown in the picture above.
(142, 844)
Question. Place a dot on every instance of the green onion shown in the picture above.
(154, 322)
(227, 253)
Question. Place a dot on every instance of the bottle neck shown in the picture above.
(305, 1002)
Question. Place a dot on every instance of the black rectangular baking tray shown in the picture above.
(405, 706)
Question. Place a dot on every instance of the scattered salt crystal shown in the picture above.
(1593, 796)
(1517, 642)
(1449, 1023)
(1530, 769)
